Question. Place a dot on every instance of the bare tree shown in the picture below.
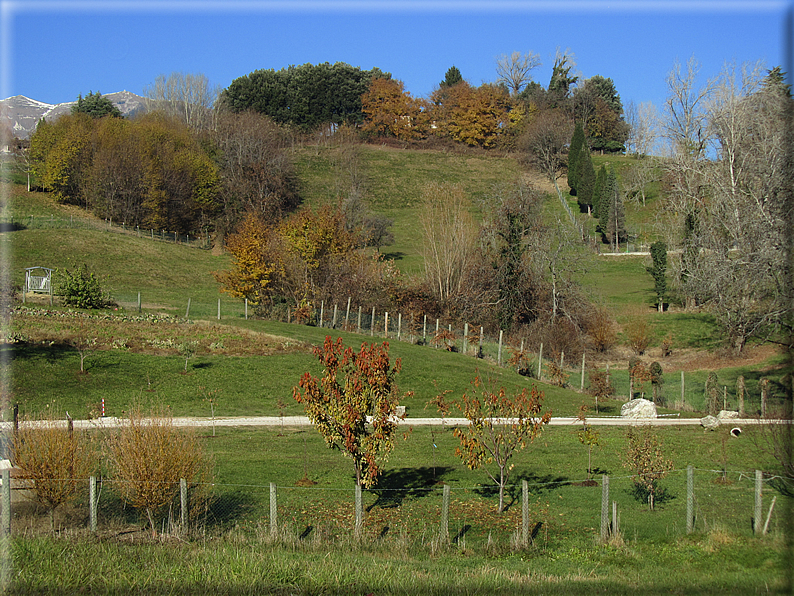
(449, 234)
(643, 120)
(189, 97)
(735, 259)
(514, 70)
(685, 125)
(544, 143)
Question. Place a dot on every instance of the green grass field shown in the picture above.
(252, 365)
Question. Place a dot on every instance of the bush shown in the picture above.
(150, 456)
(81, 289)
(52, 462)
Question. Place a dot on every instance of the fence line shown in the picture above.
(706, 507)
(81, 223)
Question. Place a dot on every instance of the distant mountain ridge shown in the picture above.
(23, 114)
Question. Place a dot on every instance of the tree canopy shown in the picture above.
(95, 105)
(306, 96)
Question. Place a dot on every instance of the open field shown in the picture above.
(250, 366)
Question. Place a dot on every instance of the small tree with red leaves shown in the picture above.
(499, 425)
(353, 387)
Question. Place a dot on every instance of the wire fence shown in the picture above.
(51, 222)
(541, 513)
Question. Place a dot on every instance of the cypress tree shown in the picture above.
(658, 271)
(616, 213)
(586, 177)
(574, 151)
(598, 190)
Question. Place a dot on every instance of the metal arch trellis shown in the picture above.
(38, 280)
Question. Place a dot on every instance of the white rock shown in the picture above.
(727, 415)
(709, 422)
(638, 408)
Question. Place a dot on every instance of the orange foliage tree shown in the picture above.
(476, 116)
(354, 386)
(499, 425)
(391, 111)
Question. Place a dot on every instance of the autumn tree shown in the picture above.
(389, 110)
(646, 460)
(476, 116)
(353, 387)
(499, 426)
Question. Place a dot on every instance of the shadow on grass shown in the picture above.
(537, 485)
(395, 485)
(227, 509)
(393, 256)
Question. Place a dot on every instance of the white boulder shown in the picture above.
(638, 408)
(727, 415)
(709, 422)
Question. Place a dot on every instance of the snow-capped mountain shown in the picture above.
(22, 114)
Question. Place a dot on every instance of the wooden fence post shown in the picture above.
(445, 513)
(581, 383)
(273, 509)
(479, 348)
(386, 325)
(347, 313)
(436, 332)
(690, 499)
(604, 507)
(399, 326)
(333, 321)
(424, 330)
(139, 302)
(540, 360)
(372, 323)
(246, 310)
(358, 325)
(682, 390)
(219, 309)
(499, 353)
(187, 311)
(322, 312)
(465, 338)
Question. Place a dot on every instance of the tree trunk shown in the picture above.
(501, 489)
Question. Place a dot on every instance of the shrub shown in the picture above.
(644, 457)
(52, 462)
(638, 335)
(82, 289)
(149, 457)
(601, 387)
(601, 330)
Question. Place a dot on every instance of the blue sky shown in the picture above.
(54, 50)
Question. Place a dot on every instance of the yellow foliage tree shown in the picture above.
(391, 111)
(476, 116)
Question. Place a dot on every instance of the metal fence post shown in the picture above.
(524, 513)
(273, 509)
(5, 505)
(359, 511)
(445, 513)
(759, 477)
(92, 496)
(690, 499)
(604, 507)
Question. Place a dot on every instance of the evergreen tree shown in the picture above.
(598, 190)
(658, 271)
(96, 106)
(616, 214)
(586, 177)
(574, 151)
(452, 78)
